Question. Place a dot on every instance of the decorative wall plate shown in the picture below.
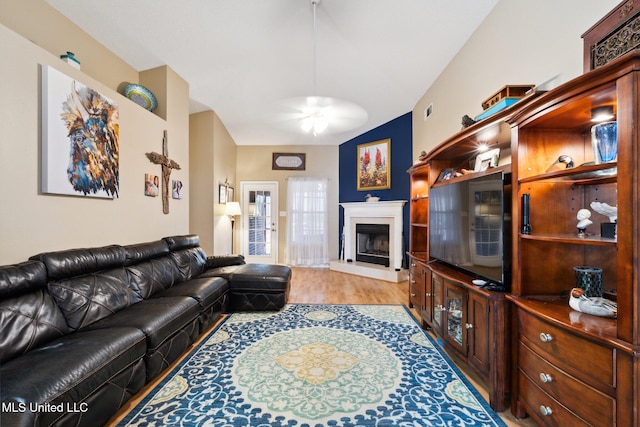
(141, 96)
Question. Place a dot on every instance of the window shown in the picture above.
(307, 241)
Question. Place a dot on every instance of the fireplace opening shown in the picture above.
(372, 243)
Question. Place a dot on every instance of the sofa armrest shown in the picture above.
(216, 261)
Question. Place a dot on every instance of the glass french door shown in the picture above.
(259, 200)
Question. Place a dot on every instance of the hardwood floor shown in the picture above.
(322, 286)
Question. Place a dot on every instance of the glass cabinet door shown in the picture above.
(438, 301)
(455, 316)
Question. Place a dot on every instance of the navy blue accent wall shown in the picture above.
(400, 132)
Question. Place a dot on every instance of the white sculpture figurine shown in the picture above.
(606, 210)
(595, 305)
(583, 220)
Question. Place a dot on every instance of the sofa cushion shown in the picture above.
(88, 284)
(141, 252)
(189, 257)
(151, 268)
(170, 325)
(157, 318)
(148, 278)
(78, 262)
(89, 298)
(190, 262)
(211, 294)
(28, 315)
(69, 369)
(204, 290)
(182, 242)
(22, 278)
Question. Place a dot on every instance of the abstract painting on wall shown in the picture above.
(80, 132)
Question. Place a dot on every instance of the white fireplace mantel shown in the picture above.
(374, 213)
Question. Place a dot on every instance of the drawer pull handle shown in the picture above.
(427, 295)
(468, 325)
(546, 411)
(413, 282)
(545, 337)
(413, 265)
(413, 295)
(545, 378)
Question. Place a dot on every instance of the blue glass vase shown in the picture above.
(604, 138)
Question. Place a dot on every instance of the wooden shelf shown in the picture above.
(587, 174)
(571, 239)
(472, 175)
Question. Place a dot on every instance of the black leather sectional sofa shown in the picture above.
(83, 330)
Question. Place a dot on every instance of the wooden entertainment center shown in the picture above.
(546, 360)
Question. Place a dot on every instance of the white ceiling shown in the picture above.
(242, 56)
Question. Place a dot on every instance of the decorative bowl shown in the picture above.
(372, 199)
(141, 96)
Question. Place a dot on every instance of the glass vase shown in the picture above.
(604, 139)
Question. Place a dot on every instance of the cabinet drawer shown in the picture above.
(415, 269)
(567, 390)
(416, 295)
(567, 351)
(546, 410)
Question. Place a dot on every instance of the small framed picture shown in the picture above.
(446, 175)
(222, 194)
(151, 185)
(177, 189)
(230, 195)
(486, 160)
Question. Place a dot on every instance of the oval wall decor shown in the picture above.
(288, 161)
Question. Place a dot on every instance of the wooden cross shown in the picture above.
(167, 164)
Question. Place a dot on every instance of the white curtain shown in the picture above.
(307, 223)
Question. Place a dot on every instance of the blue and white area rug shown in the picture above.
(316, 365)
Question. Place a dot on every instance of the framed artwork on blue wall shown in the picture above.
(374, 165)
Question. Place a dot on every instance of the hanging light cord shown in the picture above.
(315, 47)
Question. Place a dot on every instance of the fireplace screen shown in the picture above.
(372, 243)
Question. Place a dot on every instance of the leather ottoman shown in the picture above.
(259, 287)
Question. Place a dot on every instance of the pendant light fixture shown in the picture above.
(318, 114)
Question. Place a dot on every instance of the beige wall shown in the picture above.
(31, 222)
(520, 42)
(46, 27)
(254, 164)
(212, 162)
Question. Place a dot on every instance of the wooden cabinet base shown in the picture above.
(474, 326)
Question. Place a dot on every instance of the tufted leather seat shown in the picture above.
(88, 328)
(74, 369)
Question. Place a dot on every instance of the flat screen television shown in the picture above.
(470, 226)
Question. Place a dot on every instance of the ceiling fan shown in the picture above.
(317, 114)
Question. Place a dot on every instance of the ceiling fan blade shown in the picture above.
(341, 116)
